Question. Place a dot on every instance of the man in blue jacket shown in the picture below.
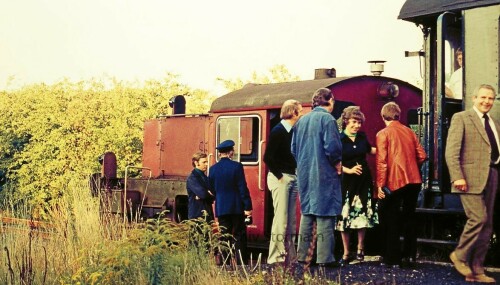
(232, 198)
(317, 149)
(198, 189)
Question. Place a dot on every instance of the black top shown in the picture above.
(278, 156)
(354, 152)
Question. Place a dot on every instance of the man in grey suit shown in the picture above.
(472, 156)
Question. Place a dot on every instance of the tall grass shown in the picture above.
(80, 245)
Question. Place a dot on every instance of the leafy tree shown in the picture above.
(54, 133)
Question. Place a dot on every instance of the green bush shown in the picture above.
(52, 134)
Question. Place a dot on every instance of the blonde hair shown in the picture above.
(196, 157)
(289, 108)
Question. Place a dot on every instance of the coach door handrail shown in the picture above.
(260, 165)
(210, 155)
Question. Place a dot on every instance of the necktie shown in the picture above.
(491, 137)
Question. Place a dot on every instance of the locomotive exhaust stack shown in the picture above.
(324, 73)
(178, 105)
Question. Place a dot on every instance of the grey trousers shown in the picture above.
(325, 241)
(475, 239)
(284, 229)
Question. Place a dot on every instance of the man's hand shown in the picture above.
(248, 213)
(461, 185)
(380, 193)
(338, 166)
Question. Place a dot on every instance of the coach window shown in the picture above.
(245, 132)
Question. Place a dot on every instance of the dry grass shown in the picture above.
(79, 245)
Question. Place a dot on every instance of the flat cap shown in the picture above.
(227, 144)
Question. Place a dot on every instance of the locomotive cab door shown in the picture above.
(467, 48)
(449, 84)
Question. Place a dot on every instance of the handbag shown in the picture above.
(386, 190)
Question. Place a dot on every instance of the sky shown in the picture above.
(49, 40)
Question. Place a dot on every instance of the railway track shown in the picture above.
(17, 225)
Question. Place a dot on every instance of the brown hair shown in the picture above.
(289, 108)
(390, 112)
(196, 157)
(321, 97)
(352, 112)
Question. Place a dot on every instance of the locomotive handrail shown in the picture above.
(210, 155)
(260, 166)
(125, 188)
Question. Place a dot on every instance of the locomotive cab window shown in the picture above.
(452, 54)
(245, 132)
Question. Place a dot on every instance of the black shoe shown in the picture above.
(345, 260)
(381, 261)
(408, 262)
(392, 266)
(360, 255)
(329, 265)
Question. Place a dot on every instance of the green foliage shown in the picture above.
(52, 134)
(277, 73)
(149, 254)
(81, 245)
(157, 252)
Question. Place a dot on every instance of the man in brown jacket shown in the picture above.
(472, 156)
(398, 160)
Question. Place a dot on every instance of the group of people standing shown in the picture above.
(309, 157)
(335, 185)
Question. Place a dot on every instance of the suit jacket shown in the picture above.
(399, 157)
(468, 151)
(227, 179)
(197, 186)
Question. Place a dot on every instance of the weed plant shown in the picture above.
(81, 243)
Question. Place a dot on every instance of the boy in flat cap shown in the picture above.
(232, 198)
